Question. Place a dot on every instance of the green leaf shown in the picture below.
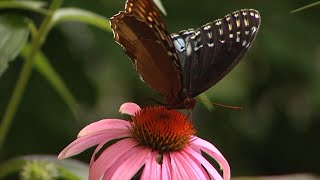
(13, 36)
(306, 7)
(10, 167)
(80, 15)
(35, 6)
(67, 169)
(42, 64)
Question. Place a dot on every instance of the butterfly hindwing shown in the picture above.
(141, 32)
(210, 52)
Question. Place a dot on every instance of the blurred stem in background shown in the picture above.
(37, 41)
(306, 7)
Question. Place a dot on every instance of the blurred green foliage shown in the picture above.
(277, 83)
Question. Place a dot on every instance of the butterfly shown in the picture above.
(182, 65)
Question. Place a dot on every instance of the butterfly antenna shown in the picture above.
(227, 106)
(223, 105)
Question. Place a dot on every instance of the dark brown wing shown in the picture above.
(141, 32)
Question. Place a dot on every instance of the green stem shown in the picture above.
(306, 7)
(26, 71)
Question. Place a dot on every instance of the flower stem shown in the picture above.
(24, 76)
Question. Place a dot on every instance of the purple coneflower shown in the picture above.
(156, 143)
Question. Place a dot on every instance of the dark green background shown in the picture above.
(277, 83)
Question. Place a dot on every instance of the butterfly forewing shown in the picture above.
(211, 51)
(146, 10)
(141, 32)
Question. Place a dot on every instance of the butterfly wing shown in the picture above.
(142, 33)
(210, 52)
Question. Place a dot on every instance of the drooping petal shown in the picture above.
(193, 146)
(196, 166)
(104, 125)
(156, 170)
(192, 169)
(129, 164)
(215, 153)
(198, 157)
(98, 148)
(110, 156)
(186, 170)
(165, 168)
(146, 173)
(129, 108)
(175, 171)
(152, 169)
(85, 142)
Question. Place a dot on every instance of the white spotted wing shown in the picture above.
(208, 53)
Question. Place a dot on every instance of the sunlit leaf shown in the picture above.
(306, 7)
(80, 15)
(35, 6)
(42, 64)
(13, 36)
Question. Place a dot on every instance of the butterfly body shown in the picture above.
(182, 65)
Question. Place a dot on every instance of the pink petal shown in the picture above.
(198, 142)
(85, 142)
(98, 148)
(129, 164)
(110, 156)
(186, 170)
(192, 169)
(198, 157)
(104, 125)
(165, 168)
(129, 108)
(194, 147)
(152, 169)
(215, 153)
(156, 170)
(175, 171)
(196, 166)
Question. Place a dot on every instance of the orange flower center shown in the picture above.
(162, 129)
